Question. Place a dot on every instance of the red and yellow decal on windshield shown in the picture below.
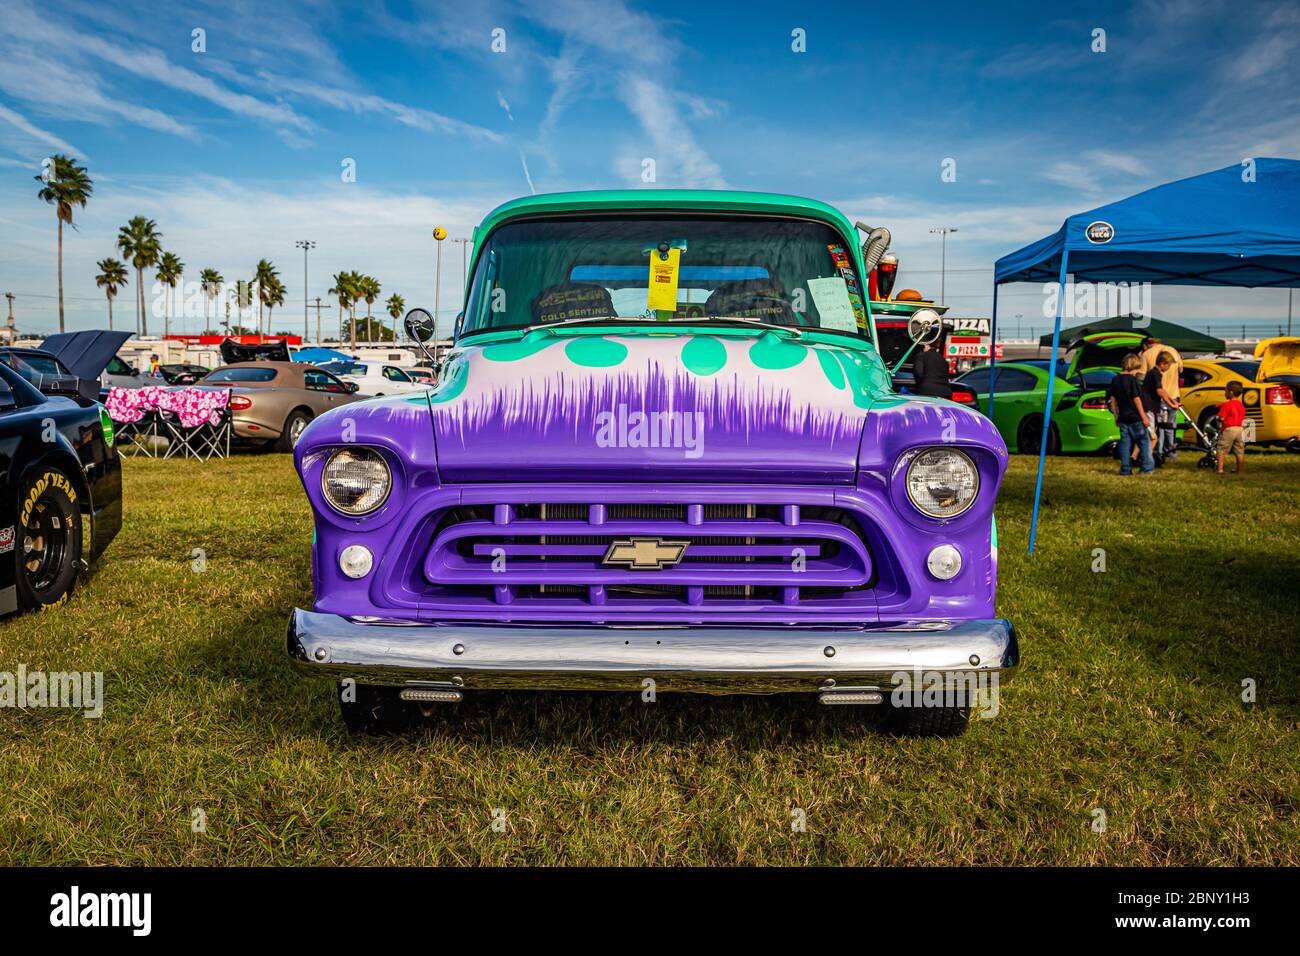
(842, 262)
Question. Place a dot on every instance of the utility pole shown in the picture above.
(318, 320)
(227, 316)
(1289, 294)
(305, 245)
(439, 234)
(11, 333)
(943, 267)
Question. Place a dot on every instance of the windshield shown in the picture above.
(778, 271)
(40, 370)
(1244, 369)
(241, 375)
(1093, 377)
(344, 368)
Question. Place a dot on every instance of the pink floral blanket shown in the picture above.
(193, 406)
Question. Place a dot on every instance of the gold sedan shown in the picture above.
(1270, 384)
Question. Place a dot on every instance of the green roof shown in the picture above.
(723, 200)
(1180, 337)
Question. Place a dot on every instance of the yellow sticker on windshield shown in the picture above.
(662, 294)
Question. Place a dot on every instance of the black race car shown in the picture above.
(60, 476)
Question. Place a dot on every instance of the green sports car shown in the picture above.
(1081, 421)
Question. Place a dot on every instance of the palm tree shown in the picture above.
(370, 291)
(170, 270)
(211, 281)
(65, 185)
(343, 291)
(140, 242)
(396, 305)
(357, 282)
(112, 276)
(263, 276)
(275, 291)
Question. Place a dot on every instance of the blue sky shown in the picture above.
(237, 151)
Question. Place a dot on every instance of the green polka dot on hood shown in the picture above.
(830, 368)
(595, 352)
(769, 352)
(514, 351)
(704, 355)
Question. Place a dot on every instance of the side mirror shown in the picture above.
(419, 325)
(352, 388)
(924, 327)
(460, 321)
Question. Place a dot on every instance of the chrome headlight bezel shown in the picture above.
(969, 463)
(372, 504)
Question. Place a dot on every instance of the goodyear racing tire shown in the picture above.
(47, 544)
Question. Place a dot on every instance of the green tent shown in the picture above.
(1180, 337)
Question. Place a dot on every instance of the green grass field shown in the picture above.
(1129, 701)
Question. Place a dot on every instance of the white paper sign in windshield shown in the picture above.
(831, 296)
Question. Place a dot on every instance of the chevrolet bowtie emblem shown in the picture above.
(646, 554)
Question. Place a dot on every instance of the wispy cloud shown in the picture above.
(74, 94)
(26, 127)
(26, 28)
(412, 116)
(677, 156)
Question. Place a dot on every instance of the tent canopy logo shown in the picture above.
(1099, 232)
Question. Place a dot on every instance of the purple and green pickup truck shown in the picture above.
(664, 455)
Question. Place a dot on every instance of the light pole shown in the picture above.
(464, 260)
(305, 245)
(1289, 293)
(943, 267)
(439, 234)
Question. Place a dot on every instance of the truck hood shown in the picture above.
(568, 405)
(1278, 356)
(86, 353)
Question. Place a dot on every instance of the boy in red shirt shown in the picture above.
(1233, 414)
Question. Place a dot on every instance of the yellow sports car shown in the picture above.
(1270, 383)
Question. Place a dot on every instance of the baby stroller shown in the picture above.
(1209, 438)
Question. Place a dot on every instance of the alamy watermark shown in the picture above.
(1099, 300)
(978, 690)
(624, 429)
(74, 690)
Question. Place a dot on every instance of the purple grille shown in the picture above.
(778, 553)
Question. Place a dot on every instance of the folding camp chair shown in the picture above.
(138, 438)
(203, 441)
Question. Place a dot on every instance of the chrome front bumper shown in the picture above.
(701, 659)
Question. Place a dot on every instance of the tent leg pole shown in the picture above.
(1047, 410)
(993, 346)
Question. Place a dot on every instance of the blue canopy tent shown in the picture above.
(1236, 226)
(317, 356)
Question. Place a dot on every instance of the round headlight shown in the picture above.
(356, 481)
(942, 482)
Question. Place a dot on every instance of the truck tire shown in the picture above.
(371, 709)
(924, 721)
